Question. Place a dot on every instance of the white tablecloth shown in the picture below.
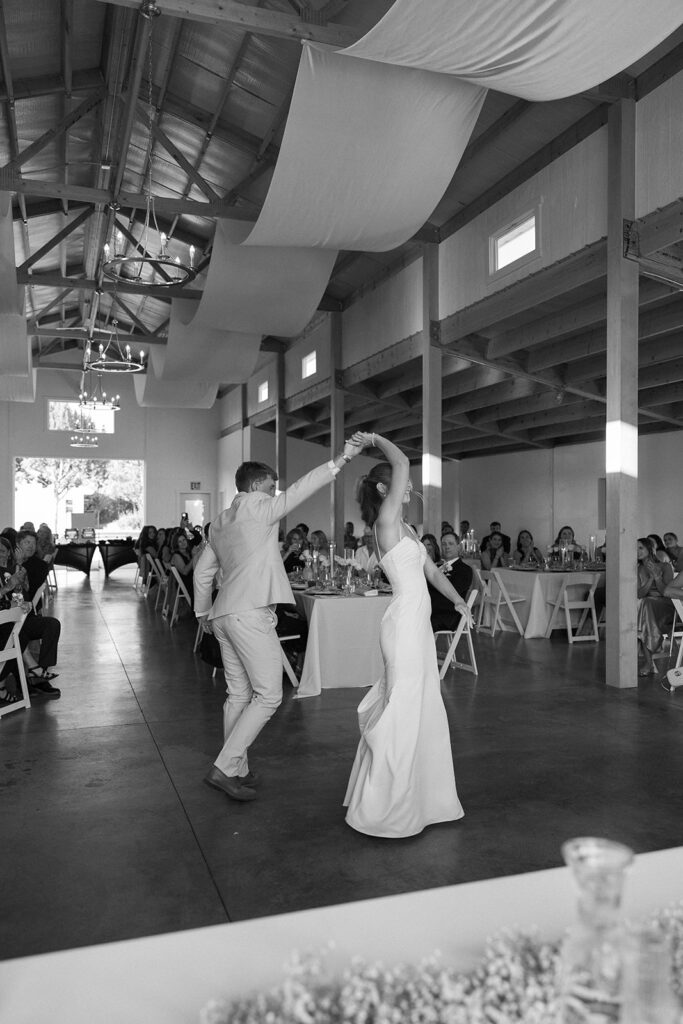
(539, 591)
(166, 979)
(343, 641)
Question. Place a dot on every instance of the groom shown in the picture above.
(243, 545)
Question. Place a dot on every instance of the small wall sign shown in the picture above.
(195, 485)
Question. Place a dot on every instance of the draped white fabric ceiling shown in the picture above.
(375, 133)
(534, 49)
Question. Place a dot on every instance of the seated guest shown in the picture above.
(146, 544)
(673, 550)
(43, 628)
(525, 552)
(350, 542)
(457, 572)
(661, 554)
(432, 548)
(303, 530)
(566, 539)
(366, 553)
(655, 611)
(45, 544)
(319, 542)
(291, 553)
(464, 527)
(181, 557)
(494, 556)
(675, 588)
(494, 527)
(25, 554)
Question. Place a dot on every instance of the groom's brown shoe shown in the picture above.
(231, 785)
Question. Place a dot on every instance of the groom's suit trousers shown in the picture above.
(252, 660)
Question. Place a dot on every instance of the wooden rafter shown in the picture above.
(251, 19)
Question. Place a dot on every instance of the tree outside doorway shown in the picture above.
(50, 490)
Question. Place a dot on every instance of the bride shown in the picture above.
(402, 778)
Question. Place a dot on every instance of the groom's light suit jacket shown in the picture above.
(243, 543)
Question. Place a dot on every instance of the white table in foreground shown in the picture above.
(343, 641)
(539, 591)
(166, 979)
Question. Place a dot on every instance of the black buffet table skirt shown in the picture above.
(77, 556)
(116, 553)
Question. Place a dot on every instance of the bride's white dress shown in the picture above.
(402, 778)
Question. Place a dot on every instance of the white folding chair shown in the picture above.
(153, 574)
(677, 634)
(39, 596)
(12, 652)
(454, 638)
(162, 585)
(286, 664)
(180, 594)
(494, 595)
(52, 579)
(568, 601)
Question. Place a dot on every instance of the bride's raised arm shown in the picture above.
(389, 516)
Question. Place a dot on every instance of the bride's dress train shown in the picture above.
(402, 778)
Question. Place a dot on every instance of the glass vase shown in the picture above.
(592, 951)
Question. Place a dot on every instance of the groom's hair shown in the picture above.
(251, 473)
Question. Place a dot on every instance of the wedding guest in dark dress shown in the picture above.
(525, 553)
(146, 544)
(655, 610)
(494, 527)
(294, 545)
(494, 555)
(432, 547)
(459, 574)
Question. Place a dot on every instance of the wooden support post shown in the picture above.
(431, 394)
(246, 429)
(280, 427)
(621, 458)
(336, 431)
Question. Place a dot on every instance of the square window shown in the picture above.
(308, 365)
(514, 243)
(263, 391)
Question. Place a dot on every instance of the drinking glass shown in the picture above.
(647, 995)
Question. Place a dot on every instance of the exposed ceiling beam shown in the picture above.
(581, 268)
(252, 19)
(76, 223)
(49, 85)
(53, 133)
(657, 230)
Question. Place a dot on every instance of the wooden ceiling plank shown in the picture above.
(179, 157)
(649, 398)
(658, 230)
(552, 327)
(252, 19)
(651, 322)
(57, 301)
(76, 223)
(49, 85)
(667, 373)
(59, 129)
(559, 414)
(387, 359)
(505, 410)
(583, 267)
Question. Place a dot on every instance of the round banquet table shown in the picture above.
(539, 591)
(343, 641)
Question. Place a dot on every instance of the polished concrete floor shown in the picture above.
(108, 832)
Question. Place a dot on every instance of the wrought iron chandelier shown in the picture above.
(92, 395)
(84, 441)
(112, 356)
(146, 267)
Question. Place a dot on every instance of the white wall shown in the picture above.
(659, 142)
(177, 445)
(384, 315)
(572, 195)
(544, 490)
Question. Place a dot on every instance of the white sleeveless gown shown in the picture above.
(402, 778)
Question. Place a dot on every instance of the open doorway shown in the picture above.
(105, 493)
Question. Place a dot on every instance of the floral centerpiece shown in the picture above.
(517, 982)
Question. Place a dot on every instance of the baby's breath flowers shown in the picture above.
(515, 982)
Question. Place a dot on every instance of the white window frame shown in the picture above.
(262, 392)
(305, 362)
(102, 421)
(508, 229)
